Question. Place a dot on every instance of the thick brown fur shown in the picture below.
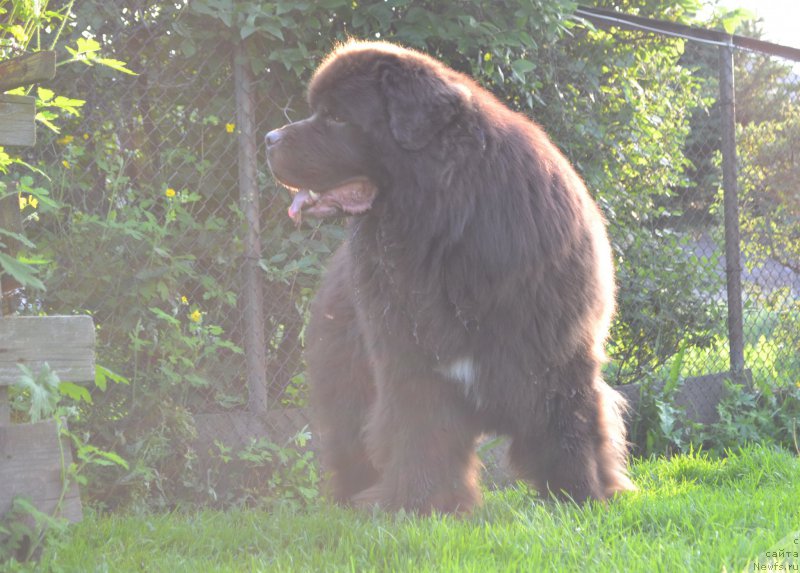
(475, 295)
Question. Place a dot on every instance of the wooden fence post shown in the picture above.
(252, 292)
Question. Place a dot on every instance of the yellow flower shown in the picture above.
(29, 201)
(184, 300)
(170, 192)
(196, 316)
(65, 140)
(86, 136)
(65, 163)
(230, 127)
(487, 57)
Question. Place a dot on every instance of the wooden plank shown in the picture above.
(30, 466)
(5, 407)
(27, 69)
(66, 343)
(17, 120)
(10, 220)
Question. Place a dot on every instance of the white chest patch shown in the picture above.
(464, 371)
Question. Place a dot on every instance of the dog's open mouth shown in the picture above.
(351, 197)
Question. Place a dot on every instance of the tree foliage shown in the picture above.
(770, 202)
(768, 140)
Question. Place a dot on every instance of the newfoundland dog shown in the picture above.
(473, 293)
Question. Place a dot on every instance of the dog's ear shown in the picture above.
(420, 103)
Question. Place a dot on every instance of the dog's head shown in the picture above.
(371, 104)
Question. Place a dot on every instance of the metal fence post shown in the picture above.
(252, 293)
(733, 262)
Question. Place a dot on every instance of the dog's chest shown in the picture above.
(406, 298)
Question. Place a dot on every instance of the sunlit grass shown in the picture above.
(691, 513)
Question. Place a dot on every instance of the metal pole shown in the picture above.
(252, 293)
(733, 261)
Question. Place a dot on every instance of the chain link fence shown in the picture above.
(200, 285)
(738, 216)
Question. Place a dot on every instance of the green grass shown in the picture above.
(692, 513)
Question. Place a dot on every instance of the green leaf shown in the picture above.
(521, 67)
(273, 29)
(70, 105)
(88, 45)
(36, 260)
(45, 94)
(44, 118)
(197, 381)
(77, 393)
(102, 375)
(118, 65)
(675, 371)
(17, 237)
(23, 274)
(19, 34)
(729, 24)
(94, 455)
(164, 316)
(188, 48)
(732, 19)
(114, 458)
(42, 389)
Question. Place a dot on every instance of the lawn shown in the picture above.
(691, 513)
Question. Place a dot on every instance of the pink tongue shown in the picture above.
(296, 208)
(352, 197)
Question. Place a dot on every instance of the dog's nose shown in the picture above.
(273, 137)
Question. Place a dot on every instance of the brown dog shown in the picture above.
(474, 292)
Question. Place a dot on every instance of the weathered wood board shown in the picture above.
(11, 221)
(17, 115)
(66, 343)
(27, 69)
(30, 466)
(33, 457)
(5, 407)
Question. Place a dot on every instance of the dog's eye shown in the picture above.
(332, 117)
